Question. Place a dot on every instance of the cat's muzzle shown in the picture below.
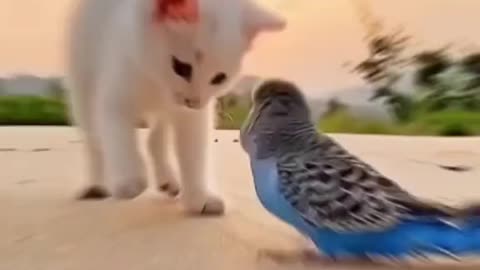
(192, 103)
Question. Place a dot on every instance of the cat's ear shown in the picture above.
(259, 20)
(176, 10)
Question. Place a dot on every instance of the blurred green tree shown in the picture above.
(440, 83)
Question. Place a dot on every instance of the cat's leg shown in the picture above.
(96, 188)
(157, 144)
(116, 130)
(81, 114)
(192, 134)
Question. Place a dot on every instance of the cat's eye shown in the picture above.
(182, 69)
(219, 79)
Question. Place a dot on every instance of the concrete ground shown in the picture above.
(43, 228)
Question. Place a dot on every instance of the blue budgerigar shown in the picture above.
(346, 207)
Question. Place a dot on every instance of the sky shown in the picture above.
(321, 36)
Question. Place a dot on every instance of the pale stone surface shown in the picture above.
(43, 228)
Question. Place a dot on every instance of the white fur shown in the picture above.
(119, 64)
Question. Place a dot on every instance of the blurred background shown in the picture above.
(367, 66)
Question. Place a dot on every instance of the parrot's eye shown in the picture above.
(266, 103)
(285, 102)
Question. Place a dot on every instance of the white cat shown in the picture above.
(163, 61)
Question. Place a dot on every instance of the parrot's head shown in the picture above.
(279, 95)
(279, 108)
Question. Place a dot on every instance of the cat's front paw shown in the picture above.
(93, 192)
(171, 188)
(213, 206)
(209, 205)
(126, 189)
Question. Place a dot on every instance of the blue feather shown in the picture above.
(424, 236)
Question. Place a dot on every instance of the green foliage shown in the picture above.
(30, 110)
(430, 64)
(402, 106)
(385, 51)
(26, 110)
(446, 123)
(232, 117)
(441, 82)
(449, 123)
(342, 122)
(57, 89)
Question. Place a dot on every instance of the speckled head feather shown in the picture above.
(279, 100)
(279, 115)
(284, 91)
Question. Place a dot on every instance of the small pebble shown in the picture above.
(8, 149)
(25, 182)
(456, 168)
(41, 149)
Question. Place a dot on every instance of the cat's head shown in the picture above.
(207, 42)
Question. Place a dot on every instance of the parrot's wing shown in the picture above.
(342, 193)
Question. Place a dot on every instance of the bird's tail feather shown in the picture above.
(446, 238)
(451, 232)
(421, 207)
(442, 230)
(454, 236)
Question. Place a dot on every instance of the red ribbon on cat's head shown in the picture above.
(177, 10)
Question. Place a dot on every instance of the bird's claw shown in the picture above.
(311, 257)
(289, 256)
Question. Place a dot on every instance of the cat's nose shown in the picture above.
(192, 103)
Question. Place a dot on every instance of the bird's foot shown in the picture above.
(306, 256)
(309, 257)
